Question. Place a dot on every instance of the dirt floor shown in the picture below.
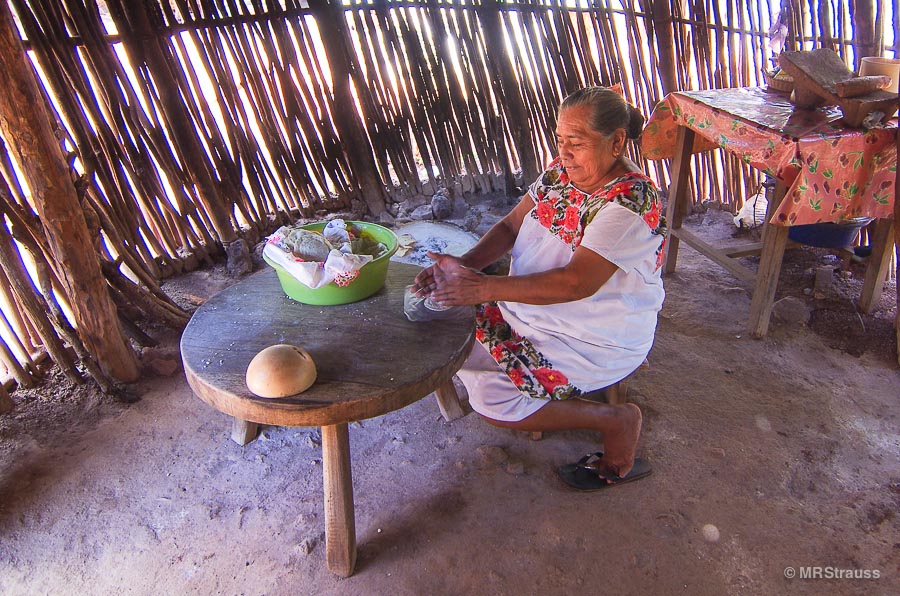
(771, 457)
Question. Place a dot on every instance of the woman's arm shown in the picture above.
(490, 248)
(580, 278)
(499, 239)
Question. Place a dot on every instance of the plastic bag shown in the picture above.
(753, 213)
(418, 308)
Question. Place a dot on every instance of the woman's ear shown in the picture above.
(619, 139)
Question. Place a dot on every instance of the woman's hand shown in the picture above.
(454, 283)
(428, 280)
(424, 284)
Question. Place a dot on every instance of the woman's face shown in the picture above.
(587, 155)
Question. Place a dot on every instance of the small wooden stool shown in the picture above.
(614, 394)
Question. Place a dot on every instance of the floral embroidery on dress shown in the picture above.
(527, 368)
(565, 211)
(636, 193)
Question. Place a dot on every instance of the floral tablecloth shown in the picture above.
(833, 173)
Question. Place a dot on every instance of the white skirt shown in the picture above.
(491, 392)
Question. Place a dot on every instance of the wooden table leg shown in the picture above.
(882, 242)
(243, 431)
(340, 526)
(774, 241)
(448, 401)
(679, 193)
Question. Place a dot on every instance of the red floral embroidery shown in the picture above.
(565, 211)
(549, 379)
(344, 279)
(572, 218)
(545, 214)
(516, 376)
(492, 314)
(652, 217)
(526, 367)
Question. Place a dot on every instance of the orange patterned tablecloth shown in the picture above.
(832, 172)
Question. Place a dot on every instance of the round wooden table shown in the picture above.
(370, 360)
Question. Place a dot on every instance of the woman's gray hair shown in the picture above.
(609, 111)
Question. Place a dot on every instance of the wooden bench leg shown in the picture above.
(877, 268)
(774, 241)
(448, 401)
(243, 431)
(679, 193)
(340, 524)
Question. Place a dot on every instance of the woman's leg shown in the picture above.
(493, 395)
(619, 424)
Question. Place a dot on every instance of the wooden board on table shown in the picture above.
(815, 75)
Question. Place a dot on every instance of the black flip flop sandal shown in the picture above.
(584, 478)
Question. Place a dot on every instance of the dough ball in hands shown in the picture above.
(280, 370)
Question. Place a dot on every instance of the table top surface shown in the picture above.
(833, 173)
(369, 358)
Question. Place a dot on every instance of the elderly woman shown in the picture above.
(578, 310)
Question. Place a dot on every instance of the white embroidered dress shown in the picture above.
(535, 353)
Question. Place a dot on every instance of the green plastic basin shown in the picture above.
(370, 279)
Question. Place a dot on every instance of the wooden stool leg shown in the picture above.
(618, 392)
(537, 435)
(340, 525)
(448, 401)
(243, 431)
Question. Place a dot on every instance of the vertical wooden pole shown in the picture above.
(664, 32)
(243, 431)
(25, 123)
(865, 37)
(882, 242)
(145, 47)
(330, 15)
(340, 524)
(508, 88)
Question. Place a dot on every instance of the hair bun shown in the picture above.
(635, 122)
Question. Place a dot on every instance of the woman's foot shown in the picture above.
(620, 445)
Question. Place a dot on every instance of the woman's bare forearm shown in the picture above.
(491, 247)
(499, 239)
(580, 278)
(554, 286)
